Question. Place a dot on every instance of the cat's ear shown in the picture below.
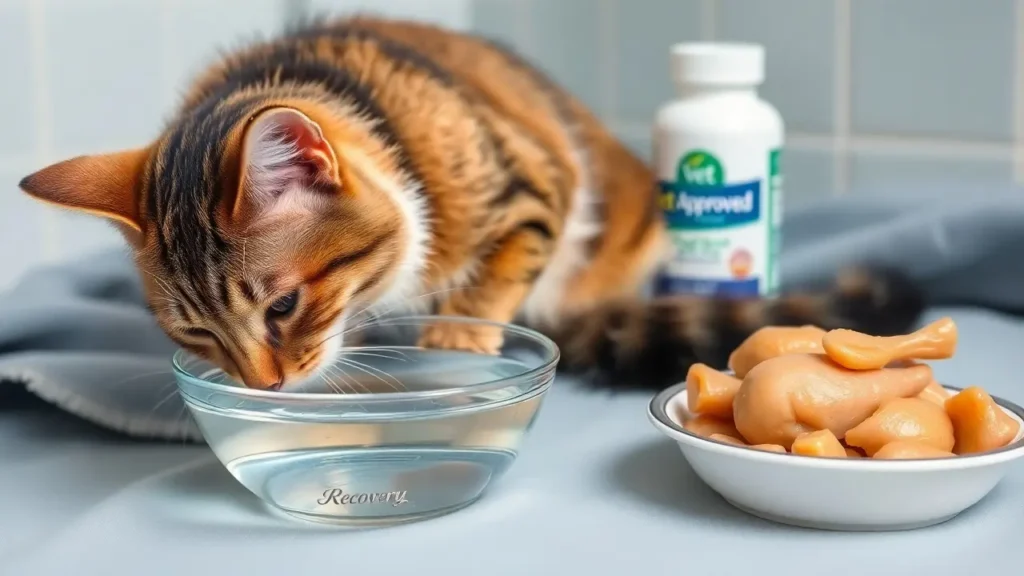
(284, 153)
(359, 167)
(105, 185)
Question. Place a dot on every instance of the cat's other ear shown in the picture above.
(287, 164)
(105, 185)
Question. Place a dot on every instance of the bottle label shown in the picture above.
(724, 231)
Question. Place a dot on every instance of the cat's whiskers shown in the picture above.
(160, 282)
(172, 394)
(161, 307)
(219, 377)
(376, 355)
(143, 375)
(184, 417)
(355, 385)
(244, 242)
(370, 370)
(374, 316)
(326, 377)
(334, 387)
(342, 374)
(393, 349)
(370, 309)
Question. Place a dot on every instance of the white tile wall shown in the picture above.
(194, 31)
(928, 175)
(22, 222)
(644, 30)
(84, 76)
(576, 63)
(875, 93)
(962, 61)
(18, 137)
(103, 94)
(809, 55)
(456, 14)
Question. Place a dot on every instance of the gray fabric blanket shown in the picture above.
(79, 336)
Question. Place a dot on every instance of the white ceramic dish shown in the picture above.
(834, 493)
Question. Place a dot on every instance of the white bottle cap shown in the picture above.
(714, 63)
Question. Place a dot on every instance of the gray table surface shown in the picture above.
(596, 490)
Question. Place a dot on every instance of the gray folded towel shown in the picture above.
(78, 334)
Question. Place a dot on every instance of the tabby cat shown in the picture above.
(364, 162)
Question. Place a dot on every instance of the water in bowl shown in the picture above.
(379, 470)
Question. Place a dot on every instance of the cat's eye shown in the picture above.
(283, 305)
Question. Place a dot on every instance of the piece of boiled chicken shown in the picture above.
(859, 351)
(774, 341)
(787, 396)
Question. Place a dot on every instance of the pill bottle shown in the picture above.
(716, 152)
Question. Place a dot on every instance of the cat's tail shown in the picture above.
(651, 344)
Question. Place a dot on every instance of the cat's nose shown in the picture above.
(271, 384)
(262, 380)
(258, 367)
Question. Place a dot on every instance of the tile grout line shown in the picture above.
(41, 91)
(1018, 93)
(608, 37)
(708, 19)
(878, 143)
(841, 98)
(925, 147)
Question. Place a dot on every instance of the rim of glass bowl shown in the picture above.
(552, 355)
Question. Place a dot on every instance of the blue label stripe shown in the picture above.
(688, 207)
(700, 287)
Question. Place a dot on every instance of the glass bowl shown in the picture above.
(392, 432)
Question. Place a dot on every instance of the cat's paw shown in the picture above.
(466, 337)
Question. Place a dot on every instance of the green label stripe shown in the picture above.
(774, 232)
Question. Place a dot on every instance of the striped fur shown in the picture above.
(363, 162)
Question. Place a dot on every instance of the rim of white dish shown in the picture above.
(657, 413)
(551, 359)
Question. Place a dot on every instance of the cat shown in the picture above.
(365, 162)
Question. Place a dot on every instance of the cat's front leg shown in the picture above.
(502, 283)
